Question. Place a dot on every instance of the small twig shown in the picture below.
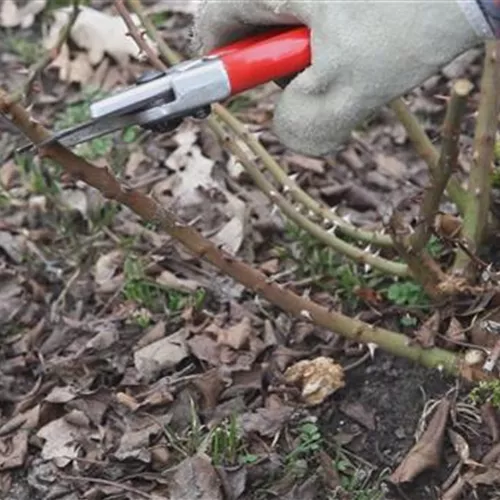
(446, 164)
(106, 482)
(478, 197)
(426, 150)
(50, 55)
(138, 38)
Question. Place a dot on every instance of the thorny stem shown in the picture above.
(51, 54)
(426, 149)
(350, 251)
(478, 197)
(299, 195)
(169, 55)
(446, 164)
(268, 161)
(144, 206)
(134, 33)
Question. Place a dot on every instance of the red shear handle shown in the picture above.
(265, 57)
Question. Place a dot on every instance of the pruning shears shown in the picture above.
(160, 100)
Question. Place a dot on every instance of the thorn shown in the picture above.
(306, 314)
(372, 347)
(347, 218)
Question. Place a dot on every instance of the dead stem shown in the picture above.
(426, 150)
(104, 180)
(478, 196)
(446, 164)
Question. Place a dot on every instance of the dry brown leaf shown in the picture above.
(107, 334)
(265, 421)
(158, 397)
(26, 420)
(160, 355)
(390, 166)
(426, 334)
(318, 378)
(308, 490)
(127, 400)
(270, 266)
(461, 448)
(205, 349)
(61, 395)
(358, 412)
(9, 174)
(169, 280)
(98, 33)
(62, 441)
(12, 246)
(135, 443)
(236, 336)
(134, 161)
(230, 237)
(153, 334)
(160, 456)
(195, 477)
(426, 452)
(455, 331)
(305, 163)
(13, 450)
(11, 16)
(81, 70)
(105, 270)
(489, 477)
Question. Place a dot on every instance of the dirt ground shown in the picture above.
(126, 364)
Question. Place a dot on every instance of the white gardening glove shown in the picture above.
(364, 54)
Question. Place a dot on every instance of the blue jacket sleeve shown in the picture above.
(491, 11)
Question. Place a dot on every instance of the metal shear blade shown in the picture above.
(85, 132)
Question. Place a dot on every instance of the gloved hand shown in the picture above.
(364, 54)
